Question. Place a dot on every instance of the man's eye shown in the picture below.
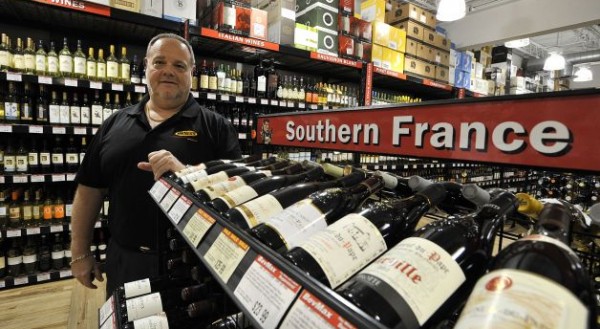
(181, 67)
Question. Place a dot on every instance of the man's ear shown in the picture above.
(145, 62)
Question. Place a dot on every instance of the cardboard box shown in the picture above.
(440, 41)
(429, 36)
(464, 62)
(451, 72)
(441, 57)
(107, 2)
(281, 31)
(232, 19)
(356, 27)
(401, 11)
(363, 50)
(454, 57)
(479, 68)
(258, 24)
(425, 52)
(397, 39)
(346, 7)
(365, 30)
(152, 8)
(331, 5)
(377, 55)
(346, 47)
(441, 74)
(397, 62)
(327, 43)
(373, 10)
(179, 10)
(386, 61)
(462, 79)
(305, 37)
(413, 30)
(412, 47)
(518, 82)
(134, 5)
(381, 33)
(419, 67)
(319, 16)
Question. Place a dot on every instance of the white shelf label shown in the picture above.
(197, 226)
(251, 100)
(212, 96)
(117, 87)
(301, 105)
(59, 130)
(79, 130)
(98, 224)
(20, 179)
(241, 136)
(225, 254)
(195, 94)
(43, 277)
(313, 106)
(106, 310)
(14, 77)
(310, 312)
(239, 99)
(45, 80)
(33, 231)
(274, 102)
(2, 180)
(2, 283)
(58, 177)
(71, 177)
(21, 280)
(95, 85)
(179, 209)
(169, 199)
(159, 189)
(65, 273)
(224, 97)
(264, 102)
(5, 129)
(290, 104)
(56, 228)
(94, 131)
(36, 129)
(71, 82)
(13, 233)
(142, 90)
(266, 292)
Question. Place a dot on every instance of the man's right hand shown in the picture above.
(86, 270)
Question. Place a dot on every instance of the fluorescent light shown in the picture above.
(519, 43)
(451, 10)
(554, 62)
(583, 74)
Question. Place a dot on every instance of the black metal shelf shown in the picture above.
(39, 277)
(71, 82)
(42, 229)
(46, 129)
(26, 178)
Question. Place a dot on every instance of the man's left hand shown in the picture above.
(160, 162)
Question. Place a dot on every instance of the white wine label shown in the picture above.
(137, 288)
(14, 260)
(33, 159)
(158, 321)
(238, 196)
(345, 247)
(421, 272)
(125, 71)
(194, 176)
(179, 209)
(32, 230)
(141, 307)
(44, 159)
(259, 210)
(167, 202)
(42, 277)
(40, 63)
(159, 189)
(72, 158)
(518, 299)
(22, 163)
(21, 280)
(197, 226)
(225, 254)
(310, 312)
(58, 254)
(546, 239)
(2, 262)
(112, 70)
(298, 222)
(65, 63)
(266, 292)
(29, 259)
(58, 158)
(107, 309)
(3, 211)
(208, 180)
(68, 253)
(80, 65)
(215, 190)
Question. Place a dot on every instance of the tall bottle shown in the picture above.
(12, 107)
(97, 109)
(45, 255)
(124, 66)
(18, 57)
(29, 57)
(33, 157)
(53, 61)
(203, 80)
(41, 115)
(72, 156)
(30, 253)
(79, 62)
(64, 110)
(85, 111)
(3, 211)
(446, 256)
(15, 217)
(537, 281)
(150, 285)
(45, 158)
(260, 76)
(65, 60)
(396, 184)
(112, 66)
(101, 66)
(22, 161)
(90, 65)
(58, 156)
(3, 267)
(4, 54)
(226, 164)
(54, 109)
(10, 158)
(41, 62)
(107, 107)
(27, 107)
(14, 258)
(212, 163)
(296, 223)
(27, 209)
(190, 317)
(213, 81)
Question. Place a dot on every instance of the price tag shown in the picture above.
(107, 310)
(313, 106)
(43, 277)
(71, 177)
(179, 209)
(195, 94)
(242, 136)
(211, 96)
(33, 231)
(65, 273)
(45, 80)
(274, 102)
(197, 226)
(2, 283)
(5, 129)
(225, 254)
(385, 167)
(393, 167)
(80, 130)
(117, 87)
(2, 180)
(13, 233)
(95, 85)
(169, 199)
(21, 280)
(291, 104)
(14, 77)
(56, 228)
(70, 82)
(20, 179)
(264, 102)
(142, 90)
(59, 130)
(94, 131)
(98, 224)
(58, 177)
(36, 129)
(405, 166)
(266, 292)
(310, 312)
(251, 100)
(301, 105)
(376, 167)
(159, 189)
(239, 99)
(224, 97)
(414, 166)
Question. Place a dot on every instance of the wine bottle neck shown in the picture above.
(491, 217)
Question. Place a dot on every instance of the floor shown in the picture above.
(55, 305)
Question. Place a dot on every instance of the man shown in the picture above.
(132, 149)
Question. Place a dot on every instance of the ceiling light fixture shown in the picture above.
(518, 43)
(583, 74)
(554, 62)
(451, 10)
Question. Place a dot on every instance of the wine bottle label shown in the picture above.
(85, 115)
(238, 196)
(65, 63)
(75, 112)
(33, 158)
(158, 321)
(212, 83)
(215, 190)
(68, 253)
(11, 261)
(91, 69)
(106, 112)
(96, 114)
(261, 84)
(345, 247)
(54, 114)
(137, 288)
(419, 271)
(546, 239)
(208, 180)
(52, 64)
(64, 114)
(518, 299)
(101, 70)
(57, 158)
(40, 63)
(2, 263)
(29, 61)
(2, 211)
(37, 213)
(79, 65)
(29, 259)
(44, 158)
(68, 210)
(259, 210)
(22, 163)
(125, 71)
(18, 62)
(59, 211)
(10, 163)
(298, 222)
(72, 158)
(194, 176)
(58, 254)
(27, 212)
(4, 58)
(112, 69)
(141, 307)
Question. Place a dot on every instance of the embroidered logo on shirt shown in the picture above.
(186, 133)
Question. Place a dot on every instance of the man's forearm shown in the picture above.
(86, 207)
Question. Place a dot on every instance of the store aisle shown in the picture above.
(55, 305)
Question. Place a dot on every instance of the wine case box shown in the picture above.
(129, 5)
(419, 67)
(412, 46)
(373, 10)
(346, 47)
(397, 39)
(106, 2)
(305, 37)
(441, 74)
(151, 7)
(362, 50)
(441, 41)
(381, 33)
(441, 57)
(401, 11)
(425, 52)
(331, 5)
(281, 21)
(277, 10)
(320, 16)
(412, 29)
(179, 10)
(327, 42)
(396, 60)
(346, 7)
(377, 55)
(231, 19)
(356, 27)
(258, 24)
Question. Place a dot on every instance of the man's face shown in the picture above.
(169, 72)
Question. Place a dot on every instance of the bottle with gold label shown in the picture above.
(90, 65)
(112, 66)
(124, 67)
(4, 53)
(29, 57)
(14, 211)
(41, 62)
(27, 209)
(65, 60)
(101, 66)
(79, 63)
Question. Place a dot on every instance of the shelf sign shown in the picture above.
(389, 73)
(197, 226)
(335, 60)
(225, 254)
(369, 85)
(434, 84)
(557, 130)
(179, 209)
(310, 312)
(167, 202)
(266, 292)
(87, 7)
(256, 43)
(159, 189)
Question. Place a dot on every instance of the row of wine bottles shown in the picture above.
(370, 253)
(583, 190)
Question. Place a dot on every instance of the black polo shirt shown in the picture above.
(193, 135)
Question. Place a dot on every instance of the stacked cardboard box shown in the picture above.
(355, 36)
(389, 42)
(322, 15)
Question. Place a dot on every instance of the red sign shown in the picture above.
(256, 43)
(369, 85)
(335, 60)
(87, 7)
(432, 83)
(389, 73)
(555, 131)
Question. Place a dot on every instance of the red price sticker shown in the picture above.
(226, 253)
(197, 226)
(311, 312)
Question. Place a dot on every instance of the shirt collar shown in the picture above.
(189, 110)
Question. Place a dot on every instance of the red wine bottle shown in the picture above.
(537, 281)
(191, 317)
(215, 169)
(260, 187)
(212, 163)
(455, 202)
(396, 184)
(335, 254)
(256, 211)
(213, 191)
(147, 286)
(299, 221)
(422, 279)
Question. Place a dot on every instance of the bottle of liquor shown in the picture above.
(4, 54)
(72, 156)
(27, 209)
(201, 166)
(26, 105)
(447, 256)
(97, 109)
(33, 157)
(3, 267)
(58, 252)
(396, 184)
(79, 63)
(107, 107)
(90, 65)
(12, 107)
(53, 61)
(45, 158)
(29, 57)
(85, 111)
(112, 66)
(260, 76)
(197, 174)
(42, 106)
(59, 213)
(15, 217)
(75, 110)
(11, 63)
(304, 218)
(41, 62)
(54, 109)
(256, 211)
(221, 79)
(117, 103)
(213, 81)
(19, 57)
(125, 66)
(3, 211)
(455, 199)
(67, 249)
(150, 285)
(82, 149)
(14, 258)
(65, 60)
(101, 69)
(38, 208)
(10, 158)
(30, 254)
(22, 163)
(135, 71)
(58, 156)
(64, 109)
(44, 256)
(194, 79)
(203, 81)
(48, 209)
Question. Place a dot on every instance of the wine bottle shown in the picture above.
(124, 66)
(204, 165)
(19, 57)
(396, 184)
(263, 186)
(44, 254)
(58, 252)
(3, 269)
(40, 59)
(65, 60)
(296, 223)
(425, 277)
(52, 60)
(346, 246)
(190, 317)
(256, 211)
(455, 202)
(101, 66)
(147, 286)
(30, 256)
(112, 66)
(213, 191)
(14, 258)
(29, 57)
(90, 65)
(79, 62)
(537, 281)
(58, 156)
(233, 321)
(215, 169)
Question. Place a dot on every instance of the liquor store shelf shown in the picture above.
(37, 178)
(289, 104)
(41, 277)
(262, 284)
(43, 229)
(47, 129)
(71, 82)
